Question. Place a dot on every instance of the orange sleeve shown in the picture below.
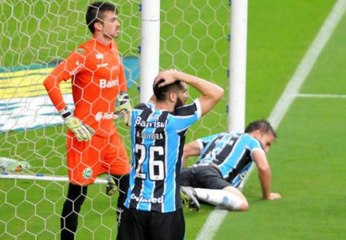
(70, 66)
(122, 79)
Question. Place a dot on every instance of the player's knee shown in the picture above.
(244, 206)
(241, 206)
(236, 203)
(244, 203)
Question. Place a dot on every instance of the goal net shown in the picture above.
(36, 35)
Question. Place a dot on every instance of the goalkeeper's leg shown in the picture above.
(69, 217)
(123, 184)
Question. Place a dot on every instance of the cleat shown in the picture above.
(111, 187)
(189, 198)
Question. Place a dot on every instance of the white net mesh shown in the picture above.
(35, 36)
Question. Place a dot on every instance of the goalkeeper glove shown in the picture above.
(123, 108)
(82, 131)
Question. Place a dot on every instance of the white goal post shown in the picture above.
(238, 53)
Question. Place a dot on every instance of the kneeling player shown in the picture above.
(224, 161)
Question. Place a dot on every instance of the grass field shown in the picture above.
(307, 158)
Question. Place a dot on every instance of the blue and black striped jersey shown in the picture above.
(157, 141)
(231, 152)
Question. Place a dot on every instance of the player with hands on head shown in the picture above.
(223, 163)
(153, 207)
(94, 146)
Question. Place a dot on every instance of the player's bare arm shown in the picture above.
(264, 174)
(191, 149)
(211, 93)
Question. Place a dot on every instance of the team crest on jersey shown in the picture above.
(99, 55)
(80, 51)
(87, 173)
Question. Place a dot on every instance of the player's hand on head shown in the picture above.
(82, 131)
(165, 77)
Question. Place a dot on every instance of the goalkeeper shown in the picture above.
(93, 145)
(224, 161)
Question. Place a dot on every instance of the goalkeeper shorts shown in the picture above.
(88, 159)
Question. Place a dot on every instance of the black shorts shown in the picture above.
(203, 177)
(141, 225)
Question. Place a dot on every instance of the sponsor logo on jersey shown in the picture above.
(146, 200)
(155, 124)
(104, 115)
(108, 84)
(102, 65)
(99, 56)
(77, 68)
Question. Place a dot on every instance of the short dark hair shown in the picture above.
(161, 93)
(262, 125)
(95, 13)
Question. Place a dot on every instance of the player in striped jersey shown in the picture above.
(224, 161)
(153, 207)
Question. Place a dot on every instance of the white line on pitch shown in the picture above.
(42, 177)
(217, 216)
(308, 95)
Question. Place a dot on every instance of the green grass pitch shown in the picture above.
(307, 159)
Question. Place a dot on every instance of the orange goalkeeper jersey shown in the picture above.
(98, 77)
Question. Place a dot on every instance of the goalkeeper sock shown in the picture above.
(69, 217)
(123, 184)
(221, 198)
